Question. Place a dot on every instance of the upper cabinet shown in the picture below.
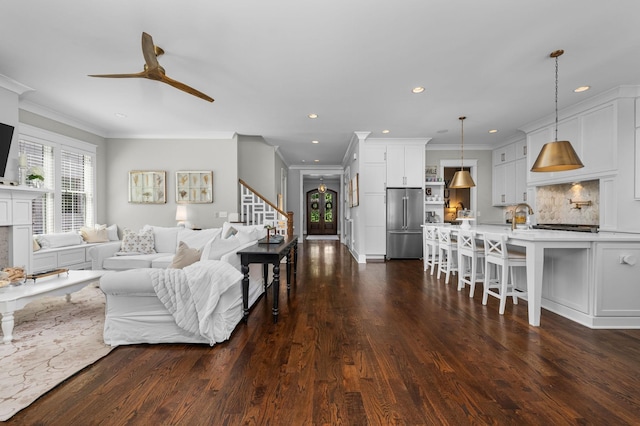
(405, 166)
(509, 183)
(593, 135)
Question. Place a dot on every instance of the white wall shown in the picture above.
(125, 155)
(256, 165)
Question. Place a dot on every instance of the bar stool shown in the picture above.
(469, 255)
(447, 253)
(502, 261)
(430, 258)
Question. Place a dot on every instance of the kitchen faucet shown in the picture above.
(515, 210)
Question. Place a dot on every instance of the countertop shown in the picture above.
(547, 235)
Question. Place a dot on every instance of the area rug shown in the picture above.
(322, 237)
(52, 340)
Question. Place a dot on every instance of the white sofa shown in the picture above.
(135, 314)
(166, 240)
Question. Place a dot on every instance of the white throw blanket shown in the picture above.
(192, 294)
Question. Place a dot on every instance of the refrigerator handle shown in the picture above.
(405, 206)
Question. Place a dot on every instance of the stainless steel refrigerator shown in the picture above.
(405, 208)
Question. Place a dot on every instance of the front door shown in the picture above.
(322, 212)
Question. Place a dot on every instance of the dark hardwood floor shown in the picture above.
(382, 343)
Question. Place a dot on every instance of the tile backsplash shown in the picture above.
(552, 203)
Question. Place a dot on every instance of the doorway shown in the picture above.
(322, 212)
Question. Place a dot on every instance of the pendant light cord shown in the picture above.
(556, 98)
(462, 143)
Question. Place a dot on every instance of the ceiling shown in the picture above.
(268, 64)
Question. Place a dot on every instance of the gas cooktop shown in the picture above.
(567, 227)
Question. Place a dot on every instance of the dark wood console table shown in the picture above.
(269, 254)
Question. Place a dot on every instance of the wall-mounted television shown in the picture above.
(6, 133)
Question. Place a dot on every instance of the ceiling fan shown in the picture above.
(153, 70)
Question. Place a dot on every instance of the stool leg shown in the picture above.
(472, 278)
(503, 288)
(513, 287)
(461, 269)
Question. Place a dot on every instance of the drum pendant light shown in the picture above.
(557, 156)
(462, 178)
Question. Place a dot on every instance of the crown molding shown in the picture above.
(14, 86)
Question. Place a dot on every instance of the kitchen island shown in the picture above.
(590, 278)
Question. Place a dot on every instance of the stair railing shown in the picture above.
(255, 209)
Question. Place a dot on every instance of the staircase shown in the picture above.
(255, 209)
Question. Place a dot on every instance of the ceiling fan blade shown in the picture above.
(149, 52)
(142, 74)
(185, 88)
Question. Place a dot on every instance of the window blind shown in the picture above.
(42, 208)
(76, 190)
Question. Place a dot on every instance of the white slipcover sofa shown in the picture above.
(135, 313)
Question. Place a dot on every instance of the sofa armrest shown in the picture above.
(102, 251)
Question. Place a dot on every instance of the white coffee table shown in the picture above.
(13, 299)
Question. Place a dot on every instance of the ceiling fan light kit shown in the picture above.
(557, 156)
(153, 70)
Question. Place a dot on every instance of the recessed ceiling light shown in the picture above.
(304, 161)
(315, 141)
(385, 131)
(120, 115)
(418, 89)
(493, 131)
(581, 89)
(312, 115)
(316, 161)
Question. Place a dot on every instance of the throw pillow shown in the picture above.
(112, 232)
(230, 231)
(63, 239)
(96, 234)
(218, 247)
(185, 256)
(36, 246)
(137, 242)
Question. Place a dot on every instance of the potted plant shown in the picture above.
(36, 176)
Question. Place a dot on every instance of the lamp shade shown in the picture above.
(462, 179)
(181, 213)
(556, 157)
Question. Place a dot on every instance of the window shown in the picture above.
(76, 190)
(69, 174)
(41, 155)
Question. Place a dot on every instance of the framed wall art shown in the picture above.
(194, 187)
(147, 187)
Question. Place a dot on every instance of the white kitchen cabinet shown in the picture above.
(375, 238)
(521, 180)
(405, 166)
(373, 187)
(510, 174)
(504, 185)
(504, 154)
(617, 292)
